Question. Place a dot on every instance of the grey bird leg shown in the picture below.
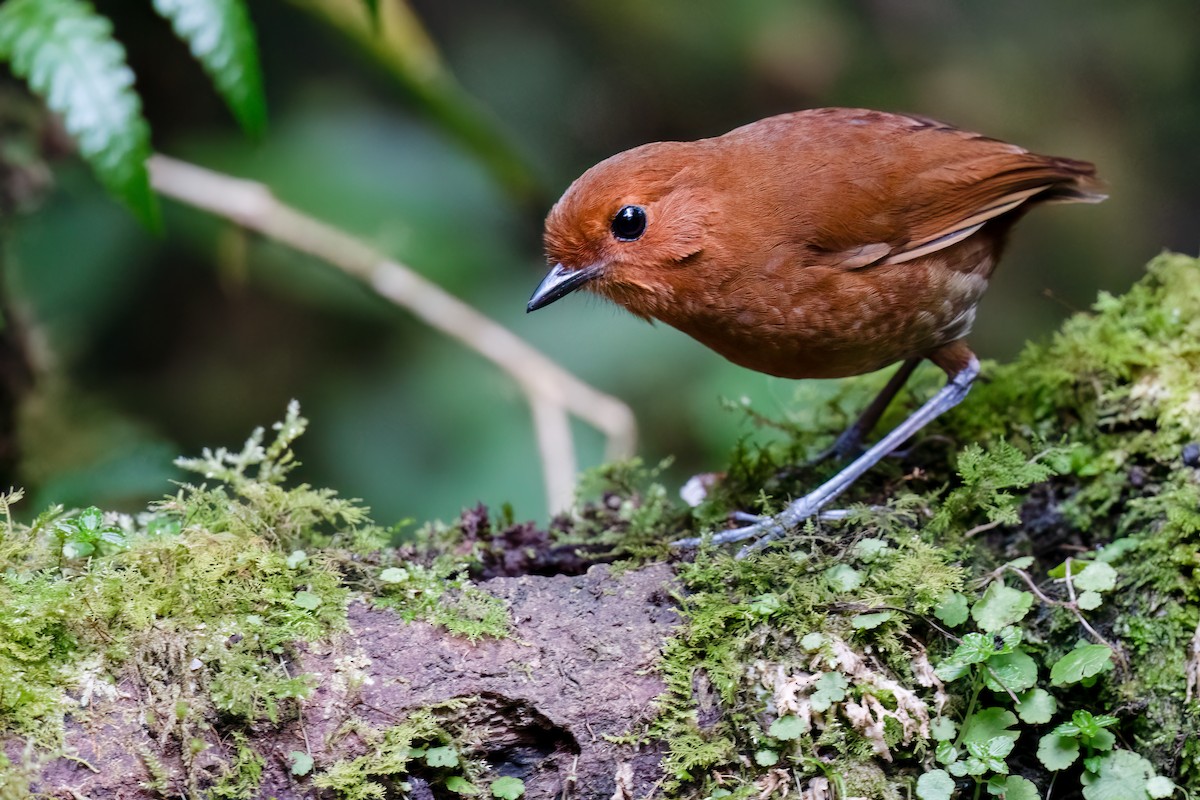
(850, 441)
(769, 529)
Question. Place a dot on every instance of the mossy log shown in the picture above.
(1010, 608)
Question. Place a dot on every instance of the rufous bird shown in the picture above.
(817, 244)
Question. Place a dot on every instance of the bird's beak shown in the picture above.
(559, 283)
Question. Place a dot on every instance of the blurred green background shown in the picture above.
(124, 348)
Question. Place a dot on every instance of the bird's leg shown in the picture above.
(849, 443)
(770, 528)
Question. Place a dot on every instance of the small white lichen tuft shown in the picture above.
(798, 693)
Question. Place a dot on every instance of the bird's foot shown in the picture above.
(766, 529)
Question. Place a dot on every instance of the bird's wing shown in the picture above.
(929, 186)
(957, 231)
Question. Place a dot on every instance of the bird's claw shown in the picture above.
(766, 528)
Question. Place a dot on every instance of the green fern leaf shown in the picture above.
(221, 37)
(66, 52)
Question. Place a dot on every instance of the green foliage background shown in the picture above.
(151, 345)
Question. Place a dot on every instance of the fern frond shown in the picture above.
(221, 37)
(67, 53)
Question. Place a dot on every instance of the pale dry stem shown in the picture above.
(552, 392)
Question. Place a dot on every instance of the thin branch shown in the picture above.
(552, 392)
(984, 528)
(1074, 606)
(1071, 606)
(552, 426)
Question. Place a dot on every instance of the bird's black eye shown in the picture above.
(629, 223)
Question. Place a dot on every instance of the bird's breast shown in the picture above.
(827, 323)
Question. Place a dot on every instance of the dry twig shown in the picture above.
(1071, 605)
(552, 392)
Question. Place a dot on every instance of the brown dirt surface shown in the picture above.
(578, 668)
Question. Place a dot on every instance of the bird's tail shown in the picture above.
(1077, 184)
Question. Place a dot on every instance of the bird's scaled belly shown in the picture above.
(826, 336)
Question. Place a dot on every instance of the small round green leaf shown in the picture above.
(951, 670)
(302, 763)
(812, 642)
(765, 605)
(766, 758)
(1159, 787)
(974, 648)
(864, 622)
(1001, 606)
(945, 753)
(74, 550)
(870, 549)
(460, 785)
(1096, 577)
(1036, 706)
(1082, 662)
(1100, 740)
(843, 578)
(999, 746)
(989, 723)
(508, 788)
(394, 575)
(953, 610)
(830, 689)
(1013, 672)
(441, 757)
(943, 729)
(990, 755)
(1018, 788)
(307, 600)
(935, 785)
(786, 727)
(1119, 775)
(91, 519)
(1057, 752)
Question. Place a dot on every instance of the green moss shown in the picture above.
(423, 743)
(795, 613)
(14, 780)
(443, 594)
(194, 601)
(160, 776)
(205, 608)
(36, 645)
(243, 776)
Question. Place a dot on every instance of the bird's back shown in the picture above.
(849, 184)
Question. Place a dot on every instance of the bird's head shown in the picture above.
(625, 228)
